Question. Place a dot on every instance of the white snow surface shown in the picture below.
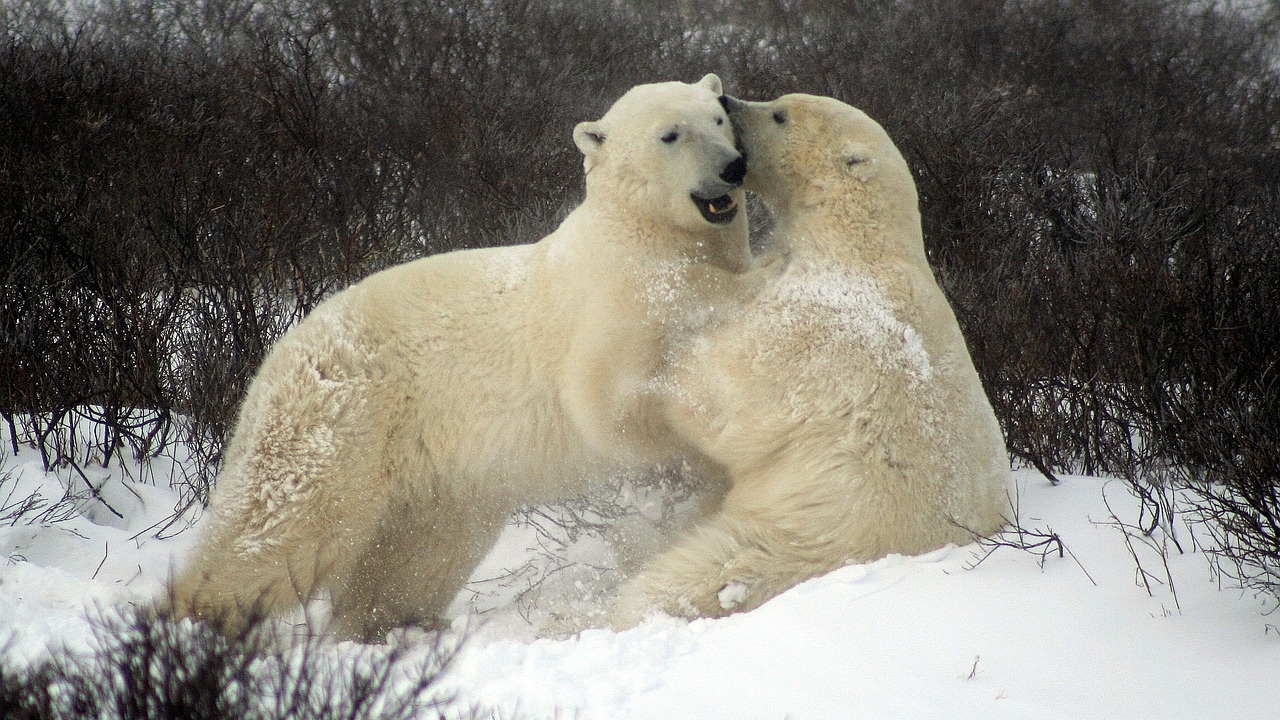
(936, 636)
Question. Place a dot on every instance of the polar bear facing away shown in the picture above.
(386, 439)
(843, 405)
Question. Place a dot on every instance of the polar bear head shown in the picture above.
(809, 152)
(666, 151)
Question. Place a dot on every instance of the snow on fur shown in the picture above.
(855, 310)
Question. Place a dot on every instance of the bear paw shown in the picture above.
(732, 594)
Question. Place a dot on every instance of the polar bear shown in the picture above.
(843, 405)
(386, 439)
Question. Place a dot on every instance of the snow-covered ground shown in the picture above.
(937, 636)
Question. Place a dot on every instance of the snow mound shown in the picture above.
(1111, 628)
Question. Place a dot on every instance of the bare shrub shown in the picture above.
(153, 667)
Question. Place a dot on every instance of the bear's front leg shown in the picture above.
(416, 564)
(725, 564)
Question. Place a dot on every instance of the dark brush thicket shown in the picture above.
(152, 668)
(1100, 186)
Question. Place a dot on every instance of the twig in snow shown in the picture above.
(1131, 532)
(106, 548)
(97, 494)
(1042, 543)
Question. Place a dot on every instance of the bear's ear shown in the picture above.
(588, 136)
(711, 81)
(860, 159)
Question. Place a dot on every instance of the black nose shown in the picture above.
(730, 104)
(735, 171)
(724, 102)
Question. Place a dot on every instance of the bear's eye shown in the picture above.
(719, 121)
(671, 137)
(779, 116)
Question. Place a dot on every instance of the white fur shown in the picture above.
(386, 439)
(843, 406)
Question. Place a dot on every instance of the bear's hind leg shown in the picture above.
(231, 585)
(232, 589)
(258, 559)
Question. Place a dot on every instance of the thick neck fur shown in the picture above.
(651, 236)
(851, 226)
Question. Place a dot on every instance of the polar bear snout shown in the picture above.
(729, 178)
(735, 171)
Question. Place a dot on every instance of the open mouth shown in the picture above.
(717, 211)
